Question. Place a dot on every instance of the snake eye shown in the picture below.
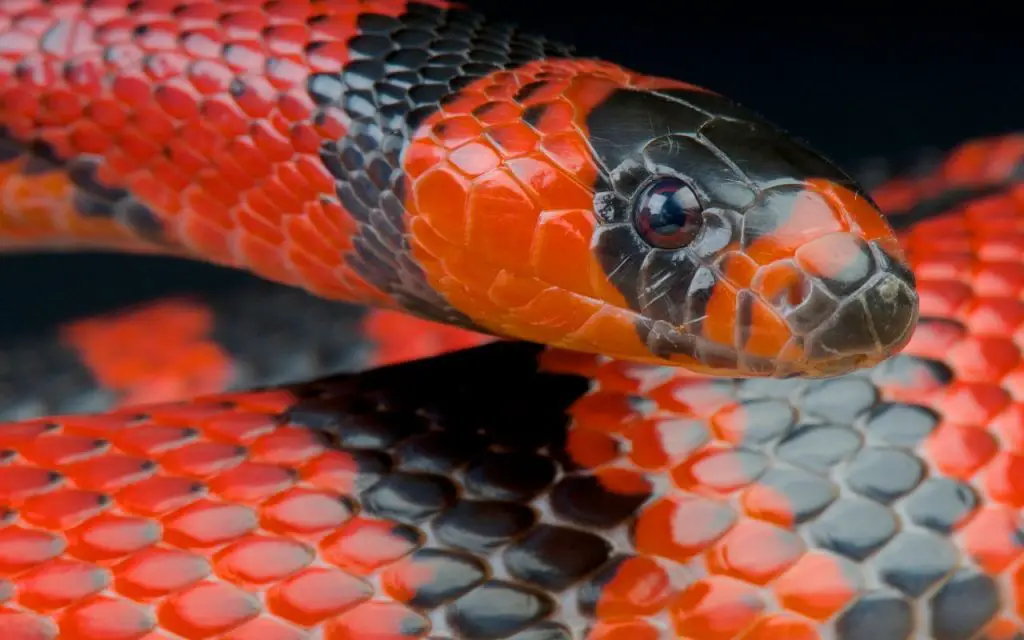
(667, 214)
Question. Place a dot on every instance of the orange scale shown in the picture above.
(109, 472)
(54, 450)
(200, 42)
(639, 588)
(716, 609)
(17, 435)
(362, 546)
(131, 90)
(959, 451)
(285, 73)
(258, 219)
(732, 422)
(258, 560)
(1002, 628)
(441, 197)
(229, 168)
(1004, 479)
(819, 585)
(994, 316)
(935, 339)
(286, 445)
(273, 143)
(316, 595)
(155, 122)
(289, 177)
(207, 609)
(473, 274)
(590, 449)
(286, 39)
(719, 471)
(58, 583)
(63, 508)
(109, 537)
(942, 266)
(557, 316)
(22, 548)
(206, 524)
(455, 131)
(474, 159)
(512, 139)
(501, 220)
(569, 150)
(658, 443)
(305, 512)
(383, 620)
(605, 411)
(983, 359)
(1008, 426)
(265, 258)
(563, 238)
(509, 290)
(755, 551)
(251, 482)
(628, 377)
(160, 36)
(943, 299)
(137, 144)
(214, 185)
(680, 526)
(328, 56)
(972, 403)
(998, 279)
(158, 495)
(316, 176)
(106, 618)
(202, 459)
(991, 538)
(61, 107)
(698, 397)
(157, 572)
(308, 242)
(86, 137)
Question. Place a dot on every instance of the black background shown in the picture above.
(854, 83)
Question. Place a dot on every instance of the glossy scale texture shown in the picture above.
(415, 156)
(564, 495)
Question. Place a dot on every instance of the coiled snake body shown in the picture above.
(680, 461)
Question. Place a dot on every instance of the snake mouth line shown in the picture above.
(828, 333)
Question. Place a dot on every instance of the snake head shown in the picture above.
(578, 204)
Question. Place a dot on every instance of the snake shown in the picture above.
(709, 389)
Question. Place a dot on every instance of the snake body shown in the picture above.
(413, 157)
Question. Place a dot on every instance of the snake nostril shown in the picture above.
(793, 294)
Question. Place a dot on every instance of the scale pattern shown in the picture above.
(177, 347)
(581, 498)
(414, 156)
(623, 501)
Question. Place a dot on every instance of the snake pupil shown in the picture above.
(668, 214)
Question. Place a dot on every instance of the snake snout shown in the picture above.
(860, 303)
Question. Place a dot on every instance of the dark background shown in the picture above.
(854, 84)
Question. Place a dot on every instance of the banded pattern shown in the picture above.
(174, 348)
(413, 156)
(622, 501)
